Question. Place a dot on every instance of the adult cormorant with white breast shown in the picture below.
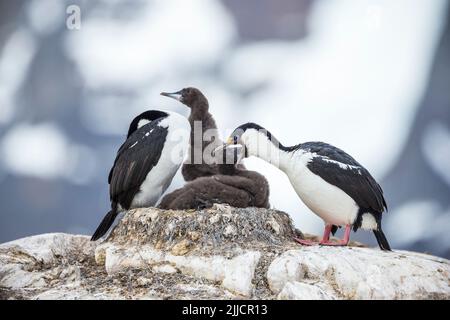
(329, 181)
(146, 163)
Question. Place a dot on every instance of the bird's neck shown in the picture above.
(266, 147)
(199, 111)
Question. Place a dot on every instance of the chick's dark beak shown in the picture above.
(174, 95)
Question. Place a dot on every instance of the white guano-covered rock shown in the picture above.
(216, 253)
(360, 273)
(235, 274)
(26, 262)
(304, 291)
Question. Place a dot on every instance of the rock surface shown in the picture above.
(217, 253)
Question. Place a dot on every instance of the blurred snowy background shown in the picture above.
(371, 77)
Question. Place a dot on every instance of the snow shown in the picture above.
(15, 60)
(45, 16)
(412, 222)
(422, 220)
(166, 37)
(436, 149)
(36, 150)
(43, 151)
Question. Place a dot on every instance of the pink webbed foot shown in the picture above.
(305, 242)
(340, 243)
(326, 236)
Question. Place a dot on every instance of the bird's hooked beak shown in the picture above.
(174, 95)
(228, 143)
(230, 151)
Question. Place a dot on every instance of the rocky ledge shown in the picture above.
(217, 253)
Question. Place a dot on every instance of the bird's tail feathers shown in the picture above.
(106, 223)
(381, 239)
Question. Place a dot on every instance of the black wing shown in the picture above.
(341, 170)
(134, 160)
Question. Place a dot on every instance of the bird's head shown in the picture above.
(249, 136)
(244, 134)
(191, 97)
(234, 147)
(145, 118)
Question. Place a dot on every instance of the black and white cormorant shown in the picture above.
(329, 181)
(204, 134)
(146, 163)
(233, 186)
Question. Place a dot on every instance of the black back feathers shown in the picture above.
(136, 157)
(341, 170)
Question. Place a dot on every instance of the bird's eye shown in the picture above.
(235, 139)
